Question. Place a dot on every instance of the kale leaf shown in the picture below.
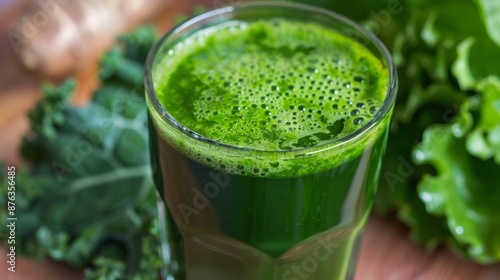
(88, 198)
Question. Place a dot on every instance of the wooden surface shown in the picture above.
(386, 251)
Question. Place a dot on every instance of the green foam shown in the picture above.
(270, 86)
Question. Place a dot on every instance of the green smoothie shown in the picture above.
(268, 169)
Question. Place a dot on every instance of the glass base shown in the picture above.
(329, 256)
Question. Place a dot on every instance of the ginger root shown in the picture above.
(56, 38)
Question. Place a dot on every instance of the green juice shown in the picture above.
(267, 172)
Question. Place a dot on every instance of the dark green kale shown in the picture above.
(88, 198)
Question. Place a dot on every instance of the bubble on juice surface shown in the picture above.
(275, 89)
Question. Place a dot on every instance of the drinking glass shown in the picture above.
(218, 223)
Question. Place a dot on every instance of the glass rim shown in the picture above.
(383, 111)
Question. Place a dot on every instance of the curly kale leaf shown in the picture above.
(88, 198)
(47, 115)
(124, 62)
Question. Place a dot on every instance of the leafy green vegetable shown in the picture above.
(89, 199)
(470, 66)
(459, 199)
(441, 169)
(484, 141)
(470, 205)
(491, 14)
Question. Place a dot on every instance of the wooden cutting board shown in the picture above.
(386, 252)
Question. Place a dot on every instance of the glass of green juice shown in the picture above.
(268, 122)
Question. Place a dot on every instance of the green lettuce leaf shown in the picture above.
(465, 189)
(473, 62)
(445, 52)
(491, 14)
(484, 141)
